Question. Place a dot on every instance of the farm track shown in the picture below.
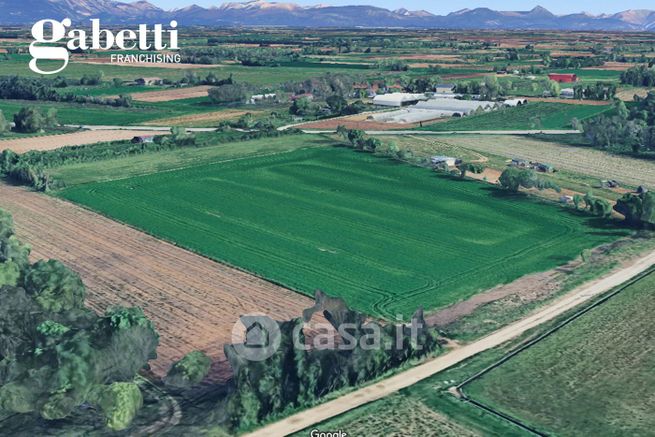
(192, 300)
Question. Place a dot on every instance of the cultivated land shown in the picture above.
(429, 380)
(538, 115)
(51, 142)
(594, 376)
(193, 302)
(172, 94)
(582, 160)
(330, 218)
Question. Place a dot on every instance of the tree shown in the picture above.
(54, 286)
(229, 93)
(29, 120)
(514, 178)
(337, 104)
(638, 209)
(120, 403)
(190, 370)
(4, 124)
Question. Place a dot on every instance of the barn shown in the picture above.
(563, 77)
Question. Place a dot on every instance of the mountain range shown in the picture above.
(264, 13)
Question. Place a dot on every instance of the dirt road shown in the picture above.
(193, 301)
(365, 395)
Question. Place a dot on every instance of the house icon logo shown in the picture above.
(262, 337)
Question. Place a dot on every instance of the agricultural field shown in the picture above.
(581, 160)
(604, 360)
(193, 302)
(537, 115)
(50, 142)
(328, 219)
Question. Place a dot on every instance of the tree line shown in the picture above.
(57, 354)
(27, 88)
(295, 377)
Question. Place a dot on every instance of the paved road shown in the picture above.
(338, 406)
(372, 132)
(470, 132)
(143, 128)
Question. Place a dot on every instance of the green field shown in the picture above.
(593, 377)
(385, 236)
(538, 115)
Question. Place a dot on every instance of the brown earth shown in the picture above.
(356, 124)
(172, 94)
(612, 66)
(193, 301)
(627, 95)
(199, 119)
(51, 142)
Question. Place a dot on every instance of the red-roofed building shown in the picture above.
(563, 77)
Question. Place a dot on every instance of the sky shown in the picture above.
(444, 7)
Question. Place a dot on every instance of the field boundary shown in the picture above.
(460, 387)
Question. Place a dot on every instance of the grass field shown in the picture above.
(385, 236)
(539, 115)
(592, 377)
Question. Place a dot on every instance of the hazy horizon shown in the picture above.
(557, 7)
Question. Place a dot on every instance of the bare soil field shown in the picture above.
(205, 119)
(627, 95)
(172, 94)
(582, 160)
(193, 301)
(356, 123)
(51, 142)
(612, 66)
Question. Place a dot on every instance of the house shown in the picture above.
(563, 77)
(147, 81)
(141, 139)
(542, 167)
(611, 183)
(566, 199)
(567, 93)
(447, 160)
(517, 162)
(444, 88)
(256, 336)
(641, 189)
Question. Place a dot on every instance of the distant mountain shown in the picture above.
(264, 13)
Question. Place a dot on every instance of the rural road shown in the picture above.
(357, 398)
(372, 132)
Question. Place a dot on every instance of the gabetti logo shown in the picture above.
(124, 40)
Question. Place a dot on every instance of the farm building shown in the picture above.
(448, 160)
(147, 81)
(517, 162)
(567, 93)
(398, 99)
(261, 97)
(444, 88)
(515, 102)
(143, 139)
(563, 77)
(433, 109)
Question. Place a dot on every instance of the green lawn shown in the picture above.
(385, 236)
(538, 115)
(593, 377)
